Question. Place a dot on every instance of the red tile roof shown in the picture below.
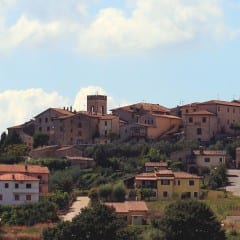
(128, 206)
(218, 102)
(17, 177)
(164, 174)
(210, 152)
(185, 175)
(201, 112)
(145, 106)
(77, 158)
(61, 111)
(156, 164)
(14, 168)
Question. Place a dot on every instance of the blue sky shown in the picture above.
(53, 53)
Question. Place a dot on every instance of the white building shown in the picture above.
(209, 158)
(18, 189)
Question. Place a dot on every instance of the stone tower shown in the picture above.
(97, 104)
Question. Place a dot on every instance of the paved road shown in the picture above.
(75, 209)
(234, 179)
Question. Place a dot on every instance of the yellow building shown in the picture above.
(167, 184)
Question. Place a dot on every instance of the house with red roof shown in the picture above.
(166, 184)
(18, 188)
(209, 158)
(135, 212)
(34, 171)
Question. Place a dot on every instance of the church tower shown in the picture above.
(97, 104)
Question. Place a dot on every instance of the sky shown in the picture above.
(54, 53)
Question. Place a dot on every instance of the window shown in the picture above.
(80, 125)
(191, 182)
(186, 110)
(165, 194)
(79, 133)
(105, 133)
(220, 160)
(195, 194)
(165, 182)
(48, 128)
(190, 120)
(233, 110)
(204, 119)
(207, 160)
(105, 123)
(178, 182)
(40, 129)
(199, 131)
(1, 197)
(16, 197)
(46, 120)
(28, 185)
(227, 109)
(16, 185)
(28, 197)
(39, 120)
(228, 122)
(6, 185)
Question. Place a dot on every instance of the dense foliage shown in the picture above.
(96, 223)
(218, 177)
(40, 139)
(187, 220)
(53, 164)
(28, 214)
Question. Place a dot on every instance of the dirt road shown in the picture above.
(75, 209)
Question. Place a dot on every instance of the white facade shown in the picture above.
(16, 189)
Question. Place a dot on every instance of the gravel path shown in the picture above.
(75, 209)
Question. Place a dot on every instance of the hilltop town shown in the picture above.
(135, 159)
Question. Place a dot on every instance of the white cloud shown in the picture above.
(20, 106)
(152, 24)
(140, 26)
(26, 31)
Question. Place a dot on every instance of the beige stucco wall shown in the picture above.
(185, 187)
(214, 161)
(165, 188)
(159, 124)
(208, 128)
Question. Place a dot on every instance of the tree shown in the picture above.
(218, 177)
(96, 223)
(119, 192)
(105, 192)
(190, 219)
(40, 139)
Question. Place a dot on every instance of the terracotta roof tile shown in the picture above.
(210, 152)
(145, 106)
(79, 158)
(156, 164)
(236, 104)
(17, 177)
(201, 112)
(128, 206)
(185, 175)
(14, 168)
